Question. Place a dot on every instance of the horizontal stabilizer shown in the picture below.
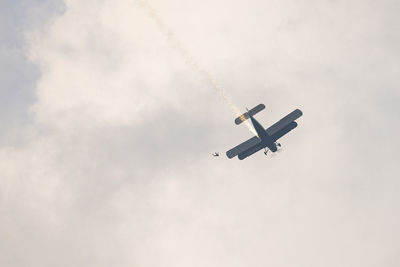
(249, 113)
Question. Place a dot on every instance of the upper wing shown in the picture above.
(284, 130)
(285, 121)
(243, 147)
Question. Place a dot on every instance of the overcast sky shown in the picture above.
(107, 134)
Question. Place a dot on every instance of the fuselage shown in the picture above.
(266, 140)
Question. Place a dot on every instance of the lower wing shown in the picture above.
(285, 121)
(284, 130)
(254, 141)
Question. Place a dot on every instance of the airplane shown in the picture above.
(216, 154)
(265, 138)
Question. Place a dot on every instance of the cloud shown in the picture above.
(18, 73)
(114, 167)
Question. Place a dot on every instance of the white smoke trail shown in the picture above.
(189, 59)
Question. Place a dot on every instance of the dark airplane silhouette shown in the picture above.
(216, 154)
(266, 137)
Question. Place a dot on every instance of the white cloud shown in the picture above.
(115, 169)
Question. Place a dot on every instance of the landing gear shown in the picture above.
(265, 152)
(277, 144)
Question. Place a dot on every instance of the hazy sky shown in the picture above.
(107, 134)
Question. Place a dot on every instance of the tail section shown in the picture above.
(249, 113)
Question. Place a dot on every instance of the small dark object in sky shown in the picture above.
(266, 137)
(215, 154)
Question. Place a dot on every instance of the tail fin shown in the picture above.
(249, 113)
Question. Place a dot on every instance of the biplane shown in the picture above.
(266, 138)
